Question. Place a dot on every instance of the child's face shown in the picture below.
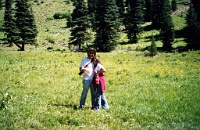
(95, 62)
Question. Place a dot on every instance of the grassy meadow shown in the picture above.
(40, 89)
(143, 92)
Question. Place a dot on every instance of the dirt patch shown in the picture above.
(180, 10)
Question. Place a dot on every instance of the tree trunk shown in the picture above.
(23, 47)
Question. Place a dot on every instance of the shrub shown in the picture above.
(60, 15)
(50, 39)
(153, 48)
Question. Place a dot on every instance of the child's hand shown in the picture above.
(95, 71)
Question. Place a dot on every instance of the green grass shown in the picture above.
(49, 27)
(143, 93)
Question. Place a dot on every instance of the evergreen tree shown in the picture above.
(10, 29)
(8, 18)
(91, 5)
(191, 18)
(196, 5)
(156, 11)
(69, 21)
(134, 19)
(91, 11)
(120, 5)
(153, 48)
(193, 29)
(174, 5)
(1, 4)
(148, 11)
(106, 25)
(25, 23)
(167, 26)
(80, 24)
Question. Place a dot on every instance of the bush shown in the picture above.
(50, 39)
(153, 48)
(60, 15)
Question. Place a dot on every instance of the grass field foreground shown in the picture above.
(143, 93)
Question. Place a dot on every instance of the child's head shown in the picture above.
(96, 61)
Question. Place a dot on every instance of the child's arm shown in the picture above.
(101, 70)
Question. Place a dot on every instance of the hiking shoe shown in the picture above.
(81, 107)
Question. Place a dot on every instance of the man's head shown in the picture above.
(91, 53)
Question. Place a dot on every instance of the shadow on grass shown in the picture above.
(191, 37)
(73, 106)
(148, 28)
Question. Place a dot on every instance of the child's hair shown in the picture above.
(97, 60)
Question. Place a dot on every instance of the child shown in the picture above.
(100, 85)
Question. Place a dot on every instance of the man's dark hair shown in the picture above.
(89, 50)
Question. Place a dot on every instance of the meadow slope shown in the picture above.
(44, 88)
(143, 92)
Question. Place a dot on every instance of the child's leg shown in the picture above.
(104, 102)
(98, 97)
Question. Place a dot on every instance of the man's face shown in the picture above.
(91, 54)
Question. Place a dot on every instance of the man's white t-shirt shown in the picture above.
(90, 68)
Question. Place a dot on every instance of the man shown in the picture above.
(87, 68)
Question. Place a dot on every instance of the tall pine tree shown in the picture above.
(80, 24)
(134, 19)
(25, 23)
(1, 4)
(174, 5)
(106, 25)
(156, 11)
(91, 5)
(167, 26)
(193, 28)
(191, 17)
(148, 10)
(10, 28)
(91, 10)
(121, 7)
(196, 6)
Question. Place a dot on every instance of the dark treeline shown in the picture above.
(106, 19)
(193, 25)
(107, 16)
